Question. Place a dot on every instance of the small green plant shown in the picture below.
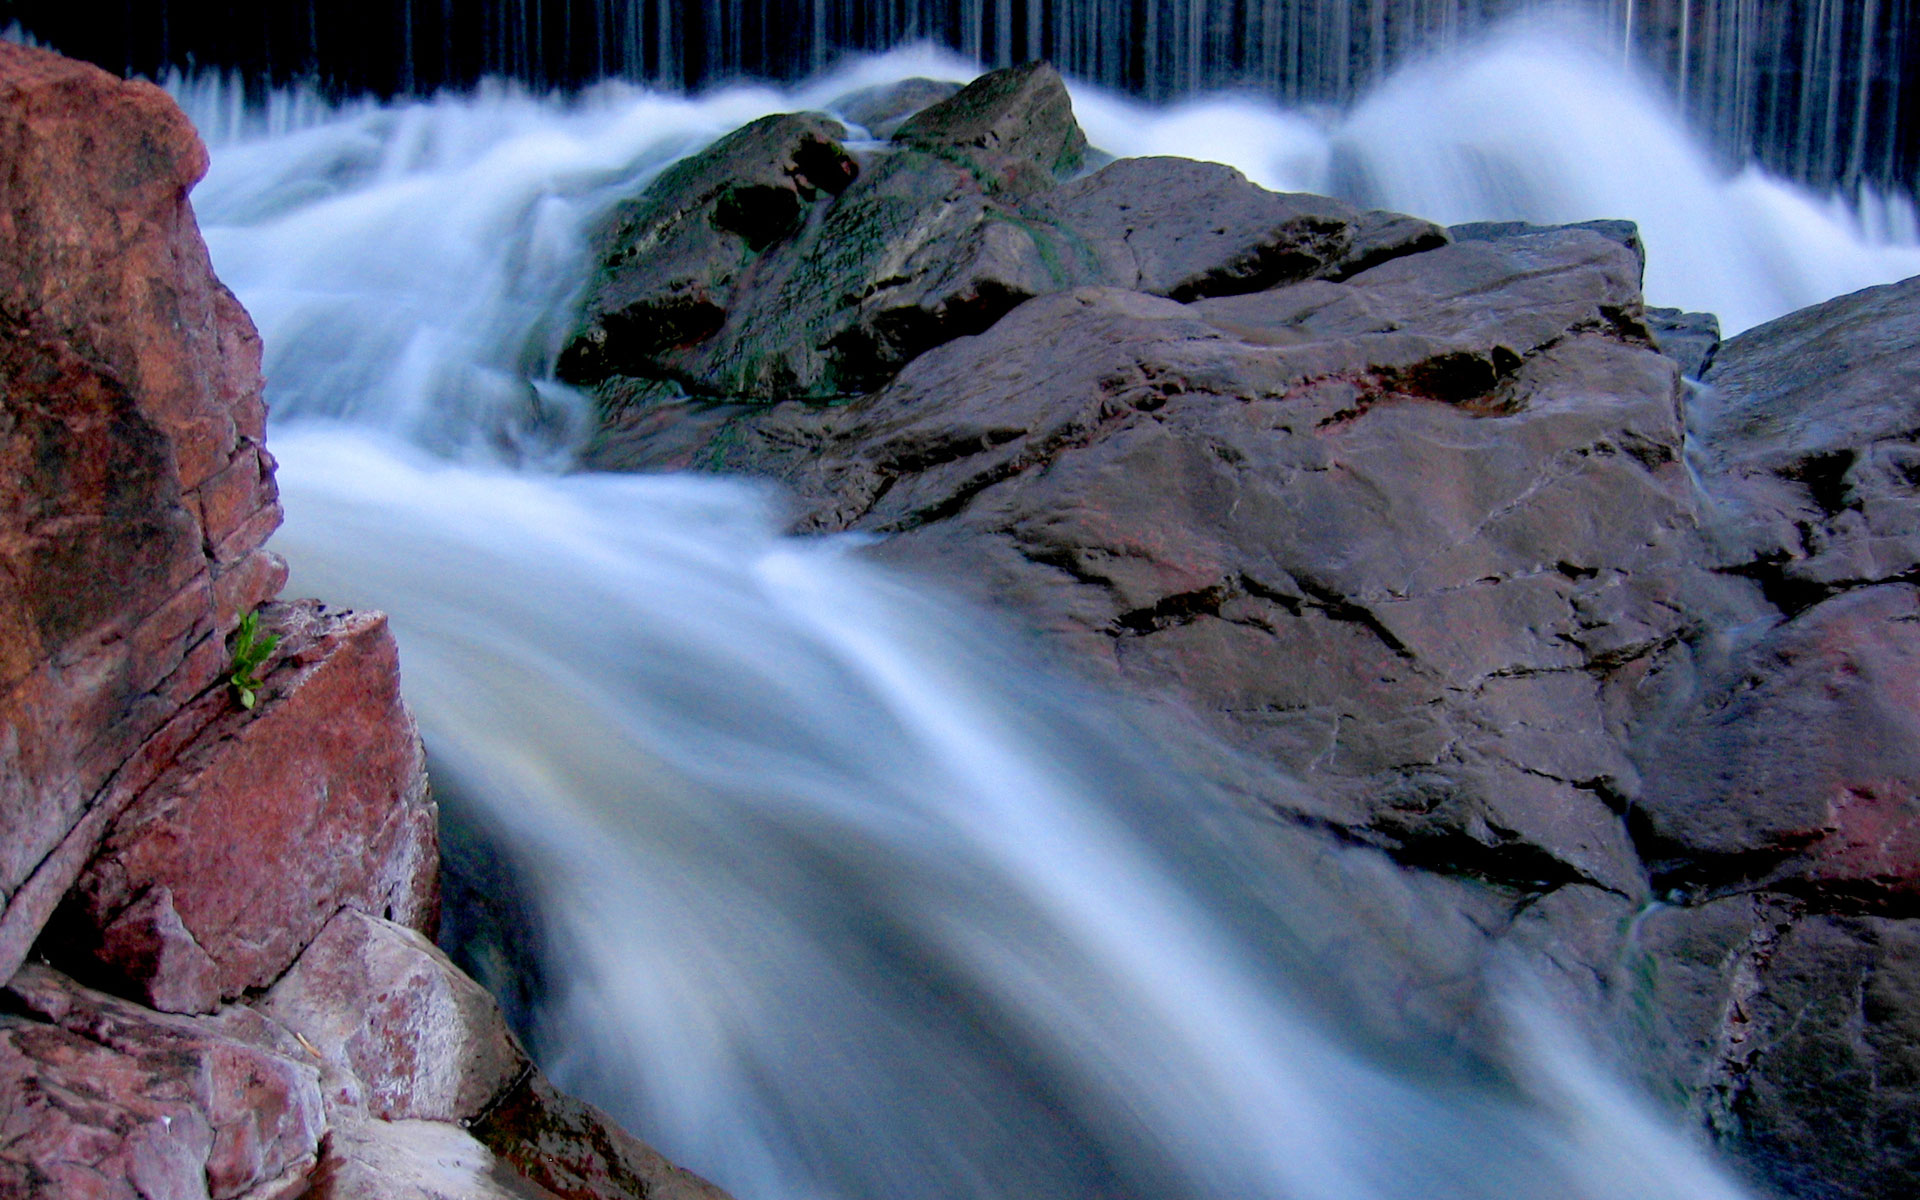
(250, 650)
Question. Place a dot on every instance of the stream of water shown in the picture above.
(839, 897)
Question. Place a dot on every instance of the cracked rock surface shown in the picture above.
(1559, 656)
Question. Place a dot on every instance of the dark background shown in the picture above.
(1816, 89)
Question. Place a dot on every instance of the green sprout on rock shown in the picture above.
(250, 650)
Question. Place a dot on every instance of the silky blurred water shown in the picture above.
(841, 896)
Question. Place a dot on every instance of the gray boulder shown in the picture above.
(1540, 654)
(1690, 339)
(1808, 446)
(961, 219)
(670, 259)
(1404, 535)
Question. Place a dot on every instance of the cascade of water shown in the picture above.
(841, 899)
(847, 902)
(455, 355)
(1769, 80)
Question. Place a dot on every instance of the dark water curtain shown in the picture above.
(1816, 89)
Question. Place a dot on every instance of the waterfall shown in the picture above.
(836, 895)
(1814, 89)
(454, 354)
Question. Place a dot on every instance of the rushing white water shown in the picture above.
(411, 266)
(842, 899)
(852, 904)
(1543, 124)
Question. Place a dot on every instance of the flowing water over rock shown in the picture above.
(836, 895)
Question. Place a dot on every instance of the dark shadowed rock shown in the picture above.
(1690, 339)
(576, 1152)
(942, 234)
(1790, 1033)
(1830, 1099)
(1379, 235)
(669, 261)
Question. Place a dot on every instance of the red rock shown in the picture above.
(148, 941)
(104, 1099)
(389, 1008)
(1799, 764)
(267, 825)
(129, 406)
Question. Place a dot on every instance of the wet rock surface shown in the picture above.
(971, 210)
(1565, 659)
(883, 108)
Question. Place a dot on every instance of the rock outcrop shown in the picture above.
(137, 492)
(771, 266)
(230, 994)
(1619, 667)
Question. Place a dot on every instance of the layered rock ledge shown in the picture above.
(1612, 664)
(214, 932)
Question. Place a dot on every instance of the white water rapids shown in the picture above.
(840, 898)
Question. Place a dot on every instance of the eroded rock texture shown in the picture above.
(1565, 660)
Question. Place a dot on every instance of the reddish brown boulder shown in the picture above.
(1798, 768)
(265, 826)
(103, 1098)
(134, 491)
(214, 846)
(392, 1012)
